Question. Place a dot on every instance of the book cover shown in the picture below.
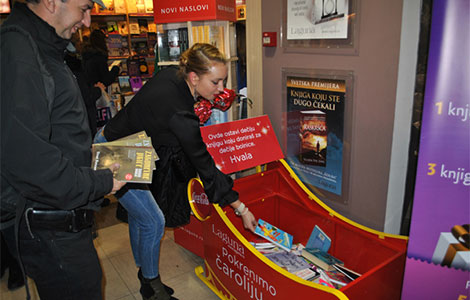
(124, 84)
(322, 259)
(131, 7)
(133, 67)
(134, 27)
(163, 47)
(135, 162)
(120, 7)
(123, 28)
(288, 261)
(143, 25)
(347, 272)
(139, 139)
(140, 5)
(314, 137)
(151, 41)
(138, 135)
(338, 278)
(319, 240)
(274, 235)
(148, 6)
(323, 279)
(112, 27)
(174, 44)
(143, 67)
(152, 27)
(136, 83)
(307, 274)
(109, 7)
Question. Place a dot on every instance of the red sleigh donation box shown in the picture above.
(173, 11)
(234, 269)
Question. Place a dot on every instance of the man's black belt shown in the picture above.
(60, 220)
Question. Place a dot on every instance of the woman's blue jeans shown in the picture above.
(146, 225)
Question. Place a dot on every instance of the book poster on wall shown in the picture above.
(438, 257)
(317, 19)
(315, 121)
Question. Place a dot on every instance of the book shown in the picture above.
(131, 7)
(136, 83)
(322, 259)
(133, 66)
(288, 261)
(174, 44)
(148, 6)
(152, 27)
(140, 5)
(307, 274)
(124, 84)
(139, 139)
(273, 234)
(338, 278)
(135, 161)
(134, 27)
(319, 240)
(348, 272)
(120, 7)
(115, 63)
(109, 7)
(112, 27)
(143, 25)
(323, 279)
(123, 28)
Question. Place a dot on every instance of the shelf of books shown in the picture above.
(142, 46)
(303, 249)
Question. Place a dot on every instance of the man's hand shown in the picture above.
(117, 185)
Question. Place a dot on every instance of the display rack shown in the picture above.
(234, 269)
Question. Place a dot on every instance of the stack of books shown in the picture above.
(311, 262)
(133, 153)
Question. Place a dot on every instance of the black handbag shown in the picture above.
(169, 186)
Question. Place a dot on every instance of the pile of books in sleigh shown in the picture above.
(133, 153)
(311, 262)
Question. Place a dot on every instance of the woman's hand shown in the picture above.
(249, 221)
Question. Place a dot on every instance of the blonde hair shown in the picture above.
(199, 59)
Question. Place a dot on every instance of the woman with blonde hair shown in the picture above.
(164, 108)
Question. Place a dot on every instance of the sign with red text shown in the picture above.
(242, 144)
(198, 200)
(172, 11)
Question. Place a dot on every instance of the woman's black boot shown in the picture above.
(154, 289)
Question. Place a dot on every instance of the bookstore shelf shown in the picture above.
(234, 269)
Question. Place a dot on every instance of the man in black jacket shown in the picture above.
(45, 150)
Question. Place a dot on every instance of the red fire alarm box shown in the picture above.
(269, 39)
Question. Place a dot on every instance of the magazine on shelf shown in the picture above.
(275, 235)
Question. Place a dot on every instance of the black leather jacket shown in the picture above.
(45, 141)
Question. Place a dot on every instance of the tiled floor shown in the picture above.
(120, 274)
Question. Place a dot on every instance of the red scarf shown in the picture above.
(223, 101)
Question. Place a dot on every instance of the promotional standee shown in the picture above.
(438, 258)
(234, 269)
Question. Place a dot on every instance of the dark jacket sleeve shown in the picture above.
(105, 75)
(217, 185)
(33, 166)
